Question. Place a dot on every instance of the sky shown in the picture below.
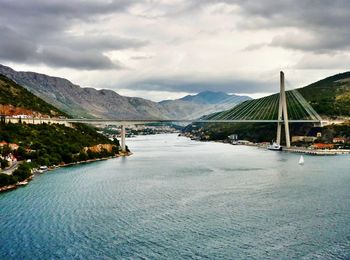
(165, 49)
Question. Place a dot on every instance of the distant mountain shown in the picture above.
(211, 97)
(16, 100)
(203, 103)
(92, 103)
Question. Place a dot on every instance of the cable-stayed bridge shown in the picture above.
(282, 108)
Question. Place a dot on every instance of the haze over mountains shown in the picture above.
(93, 103)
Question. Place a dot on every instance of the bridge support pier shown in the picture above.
(282, 111)
(122, 138)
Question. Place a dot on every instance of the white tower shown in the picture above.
(282, 113)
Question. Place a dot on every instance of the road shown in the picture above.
(12, 168)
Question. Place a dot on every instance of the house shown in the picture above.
(233, 137)
(339, 140)
(10, 159)
(11, 145)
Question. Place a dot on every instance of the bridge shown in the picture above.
(283, 108)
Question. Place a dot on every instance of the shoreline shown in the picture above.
(51, 168)
(294, 149)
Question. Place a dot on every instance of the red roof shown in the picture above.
(323, 146)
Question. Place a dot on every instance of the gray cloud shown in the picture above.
(35, 32)
(61, 57)
(189, 85)
(322, 25)
(15, 47)
(324, 62)
(100, 42)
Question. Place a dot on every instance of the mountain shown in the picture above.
(92, 103)
(203, 103)
(83, 102)
(211, 97)
(17, 100)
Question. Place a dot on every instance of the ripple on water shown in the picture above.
(175, 198)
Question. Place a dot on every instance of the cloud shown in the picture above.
(192, 85)
(324, 62)
(38, 32)
(101, 42)
(311, 26)
(15, 47)
(213, 44)
(61, 57)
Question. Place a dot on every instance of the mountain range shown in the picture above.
(92, 103)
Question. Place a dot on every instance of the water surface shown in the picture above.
(177, 198)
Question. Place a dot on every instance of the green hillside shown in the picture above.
(330, 96)
(16, 95)
(44, 144)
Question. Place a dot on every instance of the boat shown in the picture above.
(274, 147)
(22, 183)
(42, 169)
(301, 160)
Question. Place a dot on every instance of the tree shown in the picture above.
(4, 164)
(23, 172)
(6, 180)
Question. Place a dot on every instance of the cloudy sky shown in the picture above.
(161, 49)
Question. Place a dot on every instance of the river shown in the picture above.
(175, 198)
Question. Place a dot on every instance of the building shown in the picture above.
(339, 140)
(233, 137)
(11, 145)
(300, 138)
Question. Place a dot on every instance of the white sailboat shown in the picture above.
(301, 160)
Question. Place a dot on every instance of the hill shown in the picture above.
(43, 144)
(330, 96)
(93, 103)
(16, 98)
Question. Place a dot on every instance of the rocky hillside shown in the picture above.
(90, 103)
(83, 102)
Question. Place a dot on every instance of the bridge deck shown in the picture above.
(144, 121)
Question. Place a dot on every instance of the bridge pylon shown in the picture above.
(122, 138)
(282, 113)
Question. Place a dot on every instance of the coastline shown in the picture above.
(293, 149)
(51, 168)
